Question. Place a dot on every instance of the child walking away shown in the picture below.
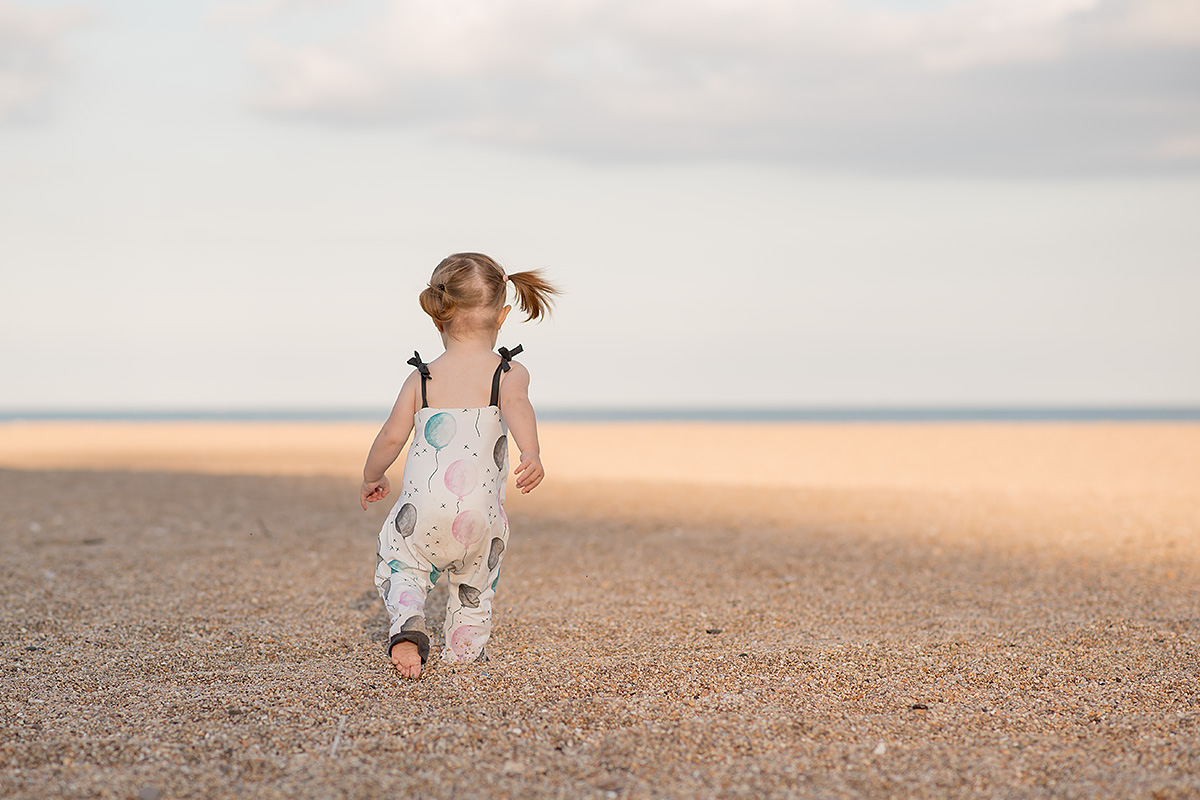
(459, 408)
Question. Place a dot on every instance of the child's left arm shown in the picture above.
(522, 422)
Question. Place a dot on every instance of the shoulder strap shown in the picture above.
(423, 368)
(506, 356)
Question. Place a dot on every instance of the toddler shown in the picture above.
(459, 409)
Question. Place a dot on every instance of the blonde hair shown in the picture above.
(468, 282)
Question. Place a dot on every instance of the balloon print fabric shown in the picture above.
(448, 519)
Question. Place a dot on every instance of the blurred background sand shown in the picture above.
(1117, 457)
(1057, 485)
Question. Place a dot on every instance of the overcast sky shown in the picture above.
(747, 202)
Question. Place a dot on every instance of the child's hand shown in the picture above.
(374, 490)
(529, 473)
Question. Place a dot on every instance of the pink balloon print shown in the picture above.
(468, 528)
(461, 478)
(410, 598)
(462, 641)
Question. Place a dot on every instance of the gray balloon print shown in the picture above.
(406, 520)
(495, 553)
(500, 452)
(468, 596)
(416, 623)
(384, 589)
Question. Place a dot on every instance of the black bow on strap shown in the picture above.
(506, 356)
(421, 366)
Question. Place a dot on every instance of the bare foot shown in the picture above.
(406, 659)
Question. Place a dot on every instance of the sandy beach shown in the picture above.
(686, 610)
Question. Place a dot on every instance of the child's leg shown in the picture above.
(404, 578)
(469, 610)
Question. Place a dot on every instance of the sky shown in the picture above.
(234, 205)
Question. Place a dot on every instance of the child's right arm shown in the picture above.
(389, 442)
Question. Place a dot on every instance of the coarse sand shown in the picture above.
(998, 610)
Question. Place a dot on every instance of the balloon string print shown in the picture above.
(439, 432)
(478, 414)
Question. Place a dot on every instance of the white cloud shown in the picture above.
(31, 55)
(991, 85)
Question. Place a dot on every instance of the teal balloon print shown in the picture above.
(440, 430)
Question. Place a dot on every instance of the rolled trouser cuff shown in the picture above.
(418, 638)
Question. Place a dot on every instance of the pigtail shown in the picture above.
(535, 294)
(471, 288)
(437, 302)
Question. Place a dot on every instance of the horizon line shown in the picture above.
(815, 413)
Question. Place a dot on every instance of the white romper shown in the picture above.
(448, 519)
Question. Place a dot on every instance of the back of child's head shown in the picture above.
(470, 289)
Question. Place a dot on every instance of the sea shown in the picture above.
(795, 415)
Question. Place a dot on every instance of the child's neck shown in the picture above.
(473, 341)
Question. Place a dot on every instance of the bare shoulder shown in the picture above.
(406, 401)
(516, 380)
(518, 370)
(412, 383)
